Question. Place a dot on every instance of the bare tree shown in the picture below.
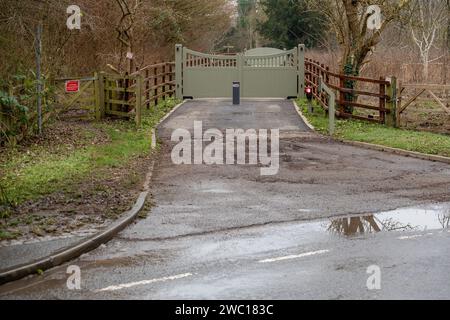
(125, 30)
(348, 19)
(147, 28)
(427, 25)
(444, 220)
(446, 46)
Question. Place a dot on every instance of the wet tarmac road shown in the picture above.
(224, 231)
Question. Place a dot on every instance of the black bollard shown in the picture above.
(236, 92)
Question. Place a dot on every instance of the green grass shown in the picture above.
(29, 176)
(355, 130)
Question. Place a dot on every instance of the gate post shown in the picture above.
(179, 71)
(301, 70)
(138, 106)
(331, 104)
(99, 95)
(391, 118)
(240, 67)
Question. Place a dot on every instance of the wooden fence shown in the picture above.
(409, 93)
(158, 82)
(362, 94)
(82, 102)
(126, 96)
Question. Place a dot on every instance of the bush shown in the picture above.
(18, 114)
(14, 118)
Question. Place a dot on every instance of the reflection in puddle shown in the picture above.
(406, 219)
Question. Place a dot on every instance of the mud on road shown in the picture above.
(212, 226)
(317, 178)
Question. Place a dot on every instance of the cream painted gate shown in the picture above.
(268, 73)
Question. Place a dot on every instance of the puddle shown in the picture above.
(434, 217)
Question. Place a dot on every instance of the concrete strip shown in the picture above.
(378, 147)
(308, 124)
(401, 152)
(76, 250)
(148, 178)
(170, 113)
(153, 146)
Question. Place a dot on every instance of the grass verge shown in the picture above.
(39, 171)
(356, 130)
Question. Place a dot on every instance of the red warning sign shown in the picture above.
(73, 86)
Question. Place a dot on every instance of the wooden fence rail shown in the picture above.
(126, 96)
(419, 90)
(158, 81)
(352, 93)
(84, 99)
(123, 95)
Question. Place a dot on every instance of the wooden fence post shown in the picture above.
(170, 80)
(155, 83)
(317, 71)
(126, 96)
(341, 94)
(164, 82)
(391, 119)
(301, 71)
(382, 103)
(179, 71)
(327, 81)
(399, 104)
(147, 88)
(322, 87)
(322, 75)
(138, 93)
(315, 79)
(99, 95)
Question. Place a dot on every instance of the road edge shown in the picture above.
(401, 152)
(74, 251)
(377, 147)
(308, 124)
(170, 113)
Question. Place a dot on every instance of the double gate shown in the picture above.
(273, 75)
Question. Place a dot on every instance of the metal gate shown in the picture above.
(272, 75)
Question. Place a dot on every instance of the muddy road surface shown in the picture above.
(317, 228)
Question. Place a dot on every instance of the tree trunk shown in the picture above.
(446, 46)
(351, 65)
(357, 41)
(426, 67)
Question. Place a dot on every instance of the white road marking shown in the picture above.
(301, 255)
(153, 145)
(144, 282)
